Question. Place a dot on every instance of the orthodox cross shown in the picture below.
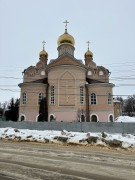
(88, 42)
(43, 45)
(66, 22)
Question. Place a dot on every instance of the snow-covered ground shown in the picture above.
(125, 119)
(74, 138)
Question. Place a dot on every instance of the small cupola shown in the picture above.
(88, 53)
(88, 56)
(43, 53)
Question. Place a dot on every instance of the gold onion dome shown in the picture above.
(43, 53)
(88, 53)
(66, 39)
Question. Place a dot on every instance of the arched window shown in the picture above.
(42, 73)
(52, 118)
(93, 98)
(101, 73)
(22, 118)
(81, 94)
(82, 118)
(52, 98)
(109, 98)
(89, 73)
(40, 97)
(93, 118)
(24, 98)
(110, 118)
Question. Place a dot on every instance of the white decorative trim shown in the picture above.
(37, 118)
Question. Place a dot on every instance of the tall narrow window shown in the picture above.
(109, 98)
(93, 98)
(81, 94)
(40, 97)
(52, 95)
(24, 98)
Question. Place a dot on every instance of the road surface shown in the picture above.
(37, 161)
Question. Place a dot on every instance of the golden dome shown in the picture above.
(66, 39)
(43, 53)
(88, 54)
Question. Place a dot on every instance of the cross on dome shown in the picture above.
(44, 45)
(66, 22)
(88, 42)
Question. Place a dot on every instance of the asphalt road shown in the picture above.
(36, 161)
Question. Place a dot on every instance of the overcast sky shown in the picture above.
(108, 24)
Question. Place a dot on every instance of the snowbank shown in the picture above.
(126, 119)
(99, 139)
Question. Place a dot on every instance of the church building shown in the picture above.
(74, 91)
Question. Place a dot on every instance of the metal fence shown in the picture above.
(109, 127)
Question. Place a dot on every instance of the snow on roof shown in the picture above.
(116, 100)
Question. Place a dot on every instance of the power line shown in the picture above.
(130, 63)
(69, 86)
(112, 78)
(64, 94)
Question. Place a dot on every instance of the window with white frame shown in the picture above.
(109, 98)
(24, 98)
(81, 94)
(52, 98)
(40, 97)
(93, 98)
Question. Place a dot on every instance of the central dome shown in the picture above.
(66, 39)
